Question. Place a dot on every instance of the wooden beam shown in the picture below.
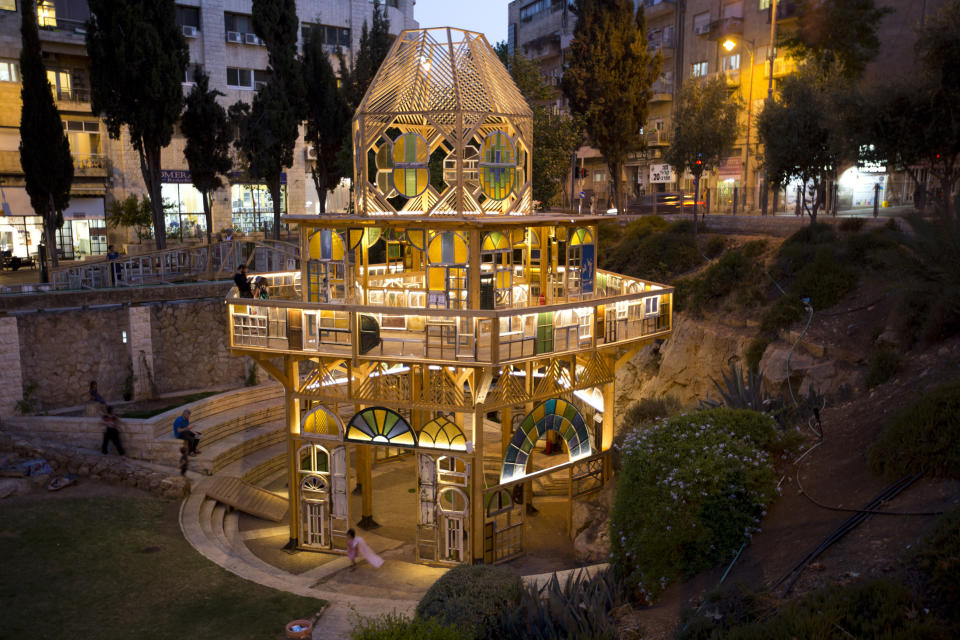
(273, 370)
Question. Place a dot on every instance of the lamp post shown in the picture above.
(730, 45)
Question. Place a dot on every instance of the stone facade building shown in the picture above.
(690, 36)
(222, 42)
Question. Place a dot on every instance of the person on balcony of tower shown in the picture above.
(260, 288)
(182, 430)
(243, 282)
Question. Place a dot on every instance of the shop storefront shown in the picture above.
(251, 204)
(182, 205)
(83, 232)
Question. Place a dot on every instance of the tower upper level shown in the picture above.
(442, 130)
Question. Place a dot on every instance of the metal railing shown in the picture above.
(202, 262)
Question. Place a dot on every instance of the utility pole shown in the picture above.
(771, 54)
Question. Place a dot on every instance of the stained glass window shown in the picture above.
(385, 170)
(442, 433)
(498, 165)
(380, 425)
(494, 241)
(581, 235)
(321, 422)
(326, 244)
(411, 174)
(556, 414)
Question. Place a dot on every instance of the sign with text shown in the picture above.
(661, 173)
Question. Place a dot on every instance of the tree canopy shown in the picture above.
(375, 42)
(609, 78)
(44, 147)
(208, 132)
(836, 32)
(328, 117)
(138, 58)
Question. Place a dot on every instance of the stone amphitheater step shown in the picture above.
(202, 410)
(223, 452)
(260, 465)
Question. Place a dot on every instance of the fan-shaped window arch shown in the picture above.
(379, 425)
(442, 433)
(495, 241)
(555, 414)
(581, 235)
(498, 165)
(321, 422)
(326, 244)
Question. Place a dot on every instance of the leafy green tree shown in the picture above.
(808, 131)
(836, 32)
(503, 52)
(704, 130)
(557, 135)
(268, 128)
(328, 117)
(208, 132)
(44, 148)
(131, 212)
(609, 79)
(138, 58)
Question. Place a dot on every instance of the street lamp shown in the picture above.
(730, 45)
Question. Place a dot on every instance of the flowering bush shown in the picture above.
(692, 490)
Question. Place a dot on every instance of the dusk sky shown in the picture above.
(489, 17)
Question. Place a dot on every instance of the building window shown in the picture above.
(733, 10)
(192, 73)
(188, 17)
(536, 9)
(730, 63)
(388, 3)
(62, 14)
(330, 35)
(238, 22)
(246, 78)
(253, 207)
(698, 69)
(183, 210)
(8, 5)
(84, 137)
(763, 5)
(701, 23)
(9, 71)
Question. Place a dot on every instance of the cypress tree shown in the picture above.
(328, 117)
(609, 79)
(138, 59)
(208, 133)
(44, 148)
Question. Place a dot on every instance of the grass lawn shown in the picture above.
(118, 567)
(143, 414)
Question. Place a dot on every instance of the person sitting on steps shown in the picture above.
(181, 429)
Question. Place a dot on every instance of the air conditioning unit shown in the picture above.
(190, 32)
(701, 29)
(234, 36)
(251, 38)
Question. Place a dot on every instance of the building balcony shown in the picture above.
(62, 30)
(664, 45)
(661, 91)
(93, 165)
(656, 137)
(724, 27)
(781, 67)
(654, 8)
(619, 311)
(786, 10)
(73, 100)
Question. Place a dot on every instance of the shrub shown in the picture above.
(884, 364)
(393, 626)
(472, 597)
(851, 225)
(720, 279)
(651, 248)
(877, 609)
(783, 313)
(692, 489)
(924, 435)
(754, 352)
(825, 279)
(754, 248)
(939, 560)
(714, 247)
(649, 409)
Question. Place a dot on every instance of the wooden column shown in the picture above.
(506, 428)
(476, 484)
(292, 405)
(365, 477)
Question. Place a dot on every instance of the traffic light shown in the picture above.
(699, 161)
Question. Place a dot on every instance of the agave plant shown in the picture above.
(741, 389)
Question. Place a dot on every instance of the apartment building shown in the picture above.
(699, 39)
(222, 42)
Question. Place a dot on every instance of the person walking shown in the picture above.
(111, 432)
(182, 430)
(356, 544)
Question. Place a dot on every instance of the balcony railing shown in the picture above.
(662, 90)
(89, 161)
(656, 136)
(73, 95)
(623, 310)
(725, 27)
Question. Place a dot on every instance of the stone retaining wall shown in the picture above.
(112, 469)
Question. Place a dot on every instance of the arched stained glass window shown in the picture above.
(385, 169)
(556, 414)
(326, 244)
(495, 240)
(442, 433)
(498, 165)
(411, 173)
(581, 235)
(380, 425)
(321, 422)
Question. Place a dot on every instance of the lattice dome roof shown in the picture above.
(443, 69)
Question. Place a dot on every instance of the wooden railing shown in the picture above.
(202, 262)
